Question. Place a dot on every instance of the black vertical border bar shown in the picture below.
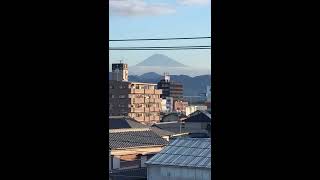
(215, 34)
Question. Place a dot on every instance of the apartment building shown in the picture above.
(140, 101)
(170, 88)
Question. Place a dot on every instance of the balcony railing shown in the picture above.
(149, 91)
(137, 100)
(157, 91)
(141, 109)
(136, 91)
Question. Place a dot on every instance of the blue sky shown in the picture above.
(160, 19)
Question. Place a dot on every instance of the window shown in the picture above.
(112, 96)
(122, 96)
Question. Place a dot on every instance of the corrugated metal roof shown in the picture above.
(187, 152)
(134, 138)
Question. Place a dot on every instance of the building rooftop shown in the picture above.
(131, 138)
(120, 122)
(161, 132)
(199, 116)
(173, 126)
(185, 152)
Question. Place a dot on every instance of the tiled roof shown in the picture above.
(119, 122)
(199, 116)
(130, 138)
(186, 152)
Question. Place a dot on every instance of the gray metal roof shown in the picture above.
(130, 138)
(173, 126)
(186, 152)
(161, 132)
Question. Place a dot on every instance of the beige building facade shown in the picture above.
(140, 101)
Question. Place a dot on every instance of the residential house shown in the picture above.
(129, 149)
(199, 122)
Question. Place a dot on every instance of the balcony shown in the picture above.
(146, 100)
(147, 109)
(156, 109)
(140, 119)
(158, 100)
(157, 91)
(154, 118)
(137, 100)
(136, 110)
(136, 91)
(149, 91)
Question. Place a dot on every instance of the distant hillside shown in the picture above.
(150, 75)
(192, 86)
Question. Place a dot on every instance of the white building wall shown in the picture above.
(169, 104)
(178, 173)
(164, 105)
(192, 109)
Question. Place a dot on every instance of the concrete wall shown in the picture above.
(177, 173)
(116, 162)
(143, 160)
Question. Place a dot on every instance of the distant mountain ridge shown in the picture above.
(160, 60)
(160, 63)
(192, 86)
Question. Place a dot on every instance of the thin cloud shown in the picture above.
(138, 8)
(194, 2)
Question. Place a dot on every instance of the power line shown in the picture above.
(160, 47)
(161, 39)
(144, 49)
